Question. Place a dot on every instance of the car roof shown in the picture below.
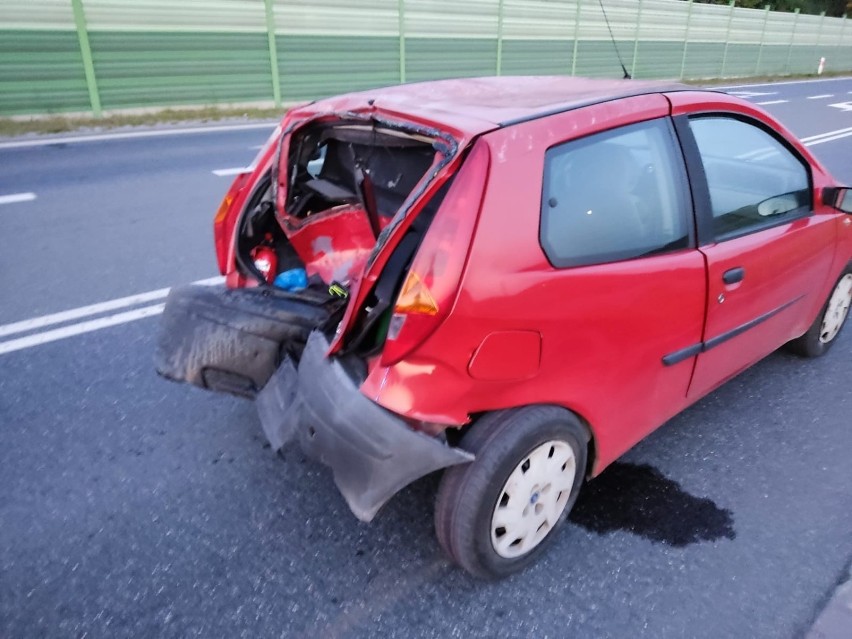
(480, 104)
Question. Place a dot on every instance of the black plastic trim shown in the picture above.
(702, 347)
(733, 275)
(699, 190)
(739, 330)
(685, 353)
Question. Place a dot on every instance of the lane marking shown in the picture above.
(786, 82)
(94, 309)
(772, 102)
(78, 329)
(820, 97)
(843, 106)
(233, 171)
(128, 135)
(831, 139)
(752, 94)
(825, 135)
(17, 197)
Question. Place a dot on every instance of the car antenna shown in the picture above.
(627, 76)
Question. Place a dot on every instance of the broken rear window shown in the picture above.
(354, 164)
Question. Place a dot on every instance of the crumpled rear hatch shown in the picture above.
(342, 199)
(347, 197)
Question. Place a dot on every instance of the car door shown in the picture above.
(616, 225)
(767, 253)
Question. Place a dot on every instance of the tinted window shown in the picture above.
(613, 196)
(754, 180)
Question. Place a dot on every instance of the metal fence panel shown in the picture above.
(77, 55)
(316, 66)
(39, 15)
(41, 72)
(337, 17)
(231, 16)
(152, 68)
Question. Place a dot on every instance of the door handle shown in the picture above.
(734, 275)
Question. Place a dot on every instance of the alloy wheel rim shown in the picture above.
(533, 499)
(838, 309)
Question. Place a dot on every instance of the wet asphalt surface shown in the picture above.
(130, 506)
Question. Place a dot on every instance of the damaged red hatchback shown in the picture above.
(513, 279)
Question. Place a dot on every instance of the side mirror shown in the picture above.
(838, 197)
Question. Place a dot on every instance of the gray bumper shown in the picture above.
(372, 452)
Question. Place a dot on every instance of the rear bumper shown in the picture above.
(372, 452)
(232, 340)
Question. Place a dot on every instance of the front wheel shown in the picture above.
(831, 319)
(497, 514)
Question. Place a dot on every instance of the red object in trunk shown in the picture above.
(266, 261)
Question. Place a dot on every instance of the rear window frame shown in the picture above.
(680, 180)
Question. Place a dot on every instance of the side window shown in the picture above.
(613, 196)
(755, 182)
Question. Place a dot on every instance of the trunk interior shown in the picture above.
(344, 182)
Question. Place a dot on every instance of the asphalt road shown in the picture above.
(131, 506)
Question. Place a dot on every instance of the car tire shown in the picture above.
(525, 455)
(831, 319)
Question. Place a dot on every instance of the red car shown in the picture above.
(514, 279)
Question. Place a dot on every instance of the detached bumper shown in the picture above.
(372, 452)
(232, 340)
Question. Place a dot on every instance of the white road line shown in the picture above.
(825, 135)
(771, 102)
(830, 139)
(820, 97)
(752, 94)
(93, 309)
(775, 84)
(128, 135)
(78, 329)
(17, 197)
(233, 171)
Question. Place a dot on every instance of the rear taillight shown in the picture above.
(223, 223)
(430, 287)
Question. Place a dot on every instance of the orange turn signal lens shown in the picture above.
(224, 207)
(415, 297)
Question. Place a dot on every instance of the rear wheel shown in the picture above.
(497, 514)
(828, 324)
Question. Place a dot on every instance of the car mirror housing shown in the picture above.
(838, 197)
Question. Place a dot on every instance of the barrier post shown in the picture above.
(762, 39)
(86, 53)
(727, 38)
(792, 37)
(401, 14)
(273, 52)
(636, 41)
(500, 37)
(576, 41)
(686, 40)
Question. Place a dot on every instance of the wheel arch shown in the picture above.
(591, 470)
